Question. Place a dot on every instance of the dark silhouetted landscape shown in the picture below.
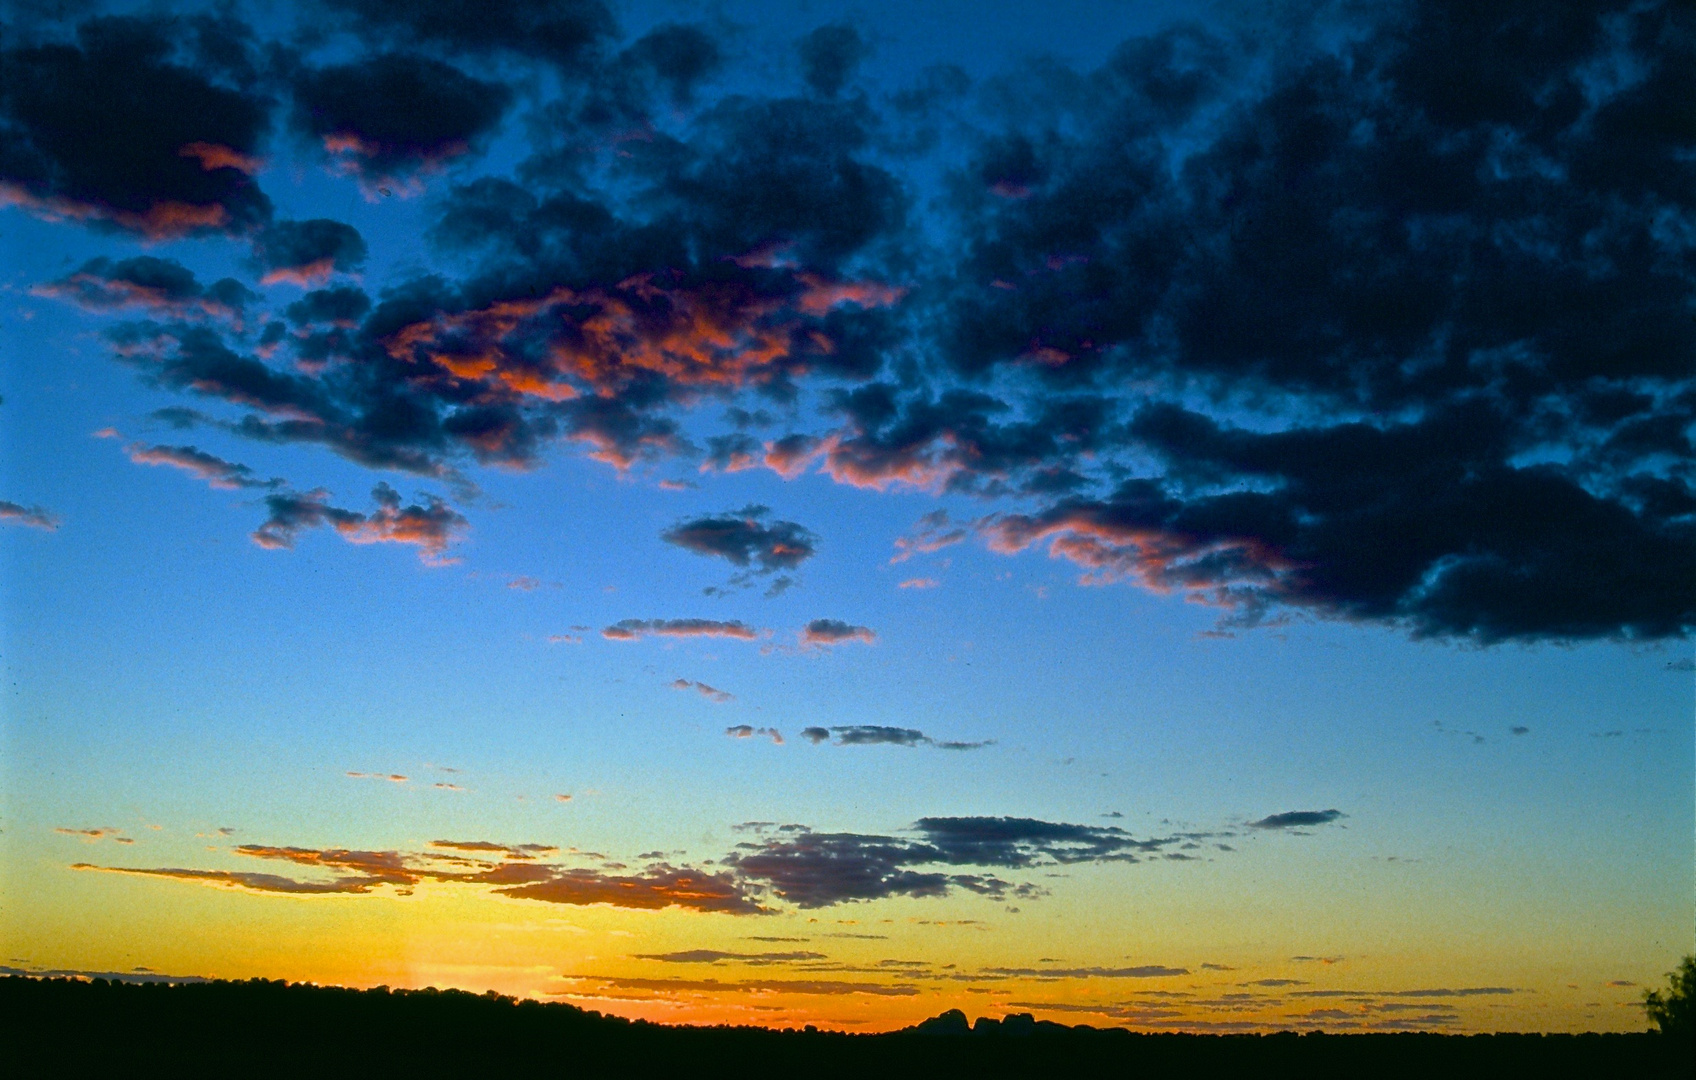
(260, 1027)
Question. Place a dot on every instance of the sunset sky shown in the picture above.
(1149, 514)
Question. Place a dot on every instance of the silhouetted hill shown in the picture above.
(67, 1027)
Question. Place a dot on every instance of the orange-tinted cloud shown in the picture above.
(514, 870)
(659, 887)
(933, 532)
(269, 883)
(35, 517)
(218, 473)
(217, 156)
(430, 525)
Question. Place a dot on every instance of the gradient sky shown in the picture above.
(827, 513)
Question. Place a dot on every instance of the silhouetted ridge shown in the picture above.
(74, 1027)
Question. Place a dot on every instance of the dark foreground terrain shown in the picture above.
(66, 1027)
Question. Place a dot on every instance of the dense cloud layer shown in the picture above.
(790, 864)
(812, 870)
(1393, 323)
(145, 125)
(385, 117)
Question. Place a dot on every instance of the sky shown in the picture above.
(1153, 515)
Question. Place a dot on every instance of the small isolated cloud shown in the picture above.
(744, 539)
(562, 798)
(95, 835)
(876, 734)
(394, 778)
(449, 787)
(1519, 729)
(1146, 971)
(880, 735)
(920, 583)
(524, 583)
(215, 471)
(35, 517)
(747, 731)
(711, 693)
(430, 525)
(933, 533)
(1295, 819)
(827, 632)
(631, 629)
(491, 847)
(777, 986)
(716, 956)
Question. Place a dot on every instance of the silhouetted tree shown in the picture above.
(1671, 1010)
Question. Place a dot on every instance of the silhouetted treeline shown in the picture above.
(68, 1027)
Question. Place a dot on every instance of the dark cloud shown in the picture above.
(748, 731)
(218, 473)
(1296, 819)
(829, 56)
(144, 125)
(34, 516)
(1432, 307)
(631, 629)
(507, 851)
(343, 305)
(714, 956)
(430, 525)
(655, 888)
(1147, 971)
(826, 632)
(250, 880)
(385, 117)
(307, 252)
(164, 287)
(814, 870)
(1387, 322)
(678, 56)
(781, 986)
(745, 539)
(564, 31)
(1023, 842)
(871, 734)
(877, 734)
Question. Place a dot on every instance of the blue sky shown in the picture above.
(1421, 584)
